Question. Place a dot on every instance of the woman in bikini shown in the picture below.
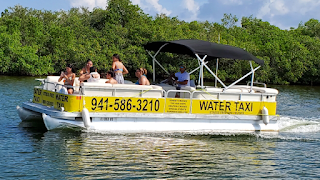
(143, 80)
(119, 69)
(86, 70)
(68, 78)
(144, 74)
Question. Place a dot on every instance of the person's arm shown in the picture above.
(84, 77)
(125, 71)
(113, 65)
(60, 78)
(144, 81)
(183, 82)
(82, 71)
(73, 78)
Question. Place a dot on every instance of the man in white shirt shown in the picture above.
(183, 78)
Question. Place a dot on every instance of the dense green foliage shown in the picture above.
(39, 42)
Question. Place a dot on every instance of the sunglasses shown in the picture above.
(181, 67)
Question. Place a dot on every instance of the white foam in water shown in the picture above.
(298, 124)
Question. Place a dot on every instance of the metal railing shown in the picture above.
(264, 84)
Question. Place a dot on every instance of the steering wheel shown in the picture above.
(170, 81)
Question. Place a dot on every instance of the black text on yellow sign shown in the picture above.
(231, 107)
(176, 105)
(70, 103)
(117, 104)
(37, 94)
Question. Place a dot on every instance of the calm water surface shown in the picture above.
(28, 153)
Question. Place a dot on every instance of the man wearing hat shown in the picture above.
(183, 78)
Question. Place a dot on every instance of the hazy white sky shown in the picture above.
(282, 13)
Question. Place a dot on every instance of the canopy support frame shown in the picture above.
(201, 71)
(197, 68)
(252, 78)
(154, 60)
(202, 64)
(217, 67)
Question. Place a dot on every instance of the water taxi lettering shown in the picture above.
(36, 99)
(37, 92)
(225, 106)
(61, 97)
(59, 105)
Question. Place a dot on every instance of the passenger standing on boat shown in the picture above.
(68, 78)
(143, 80)
(119, 69)
(111, 80)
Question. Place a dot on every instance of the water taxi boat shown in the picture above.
(154, 108)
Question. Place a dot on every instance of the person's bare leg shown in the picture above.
(70, 91)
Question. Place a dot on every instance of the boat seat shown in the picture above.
(257, 89)
(54, 80)
(50, 83)
(213, 93)
(221, 90)
(121, 90)
(188, 88)
(133, 90)
(182, 94)
(96, 89)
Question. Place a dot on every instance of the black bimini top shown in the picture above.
(202, 48)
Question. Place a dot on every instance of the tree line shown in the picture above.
(40, 42)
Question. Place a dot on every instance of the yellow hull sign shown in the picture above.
(176, 105)
(232, 107)
(73, 103)
(125, 104)
(48, 98)
(37, 95)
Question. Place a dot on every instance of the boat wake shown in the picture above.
(298, 124)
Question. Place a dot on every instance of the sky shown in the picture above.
(281, 13)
